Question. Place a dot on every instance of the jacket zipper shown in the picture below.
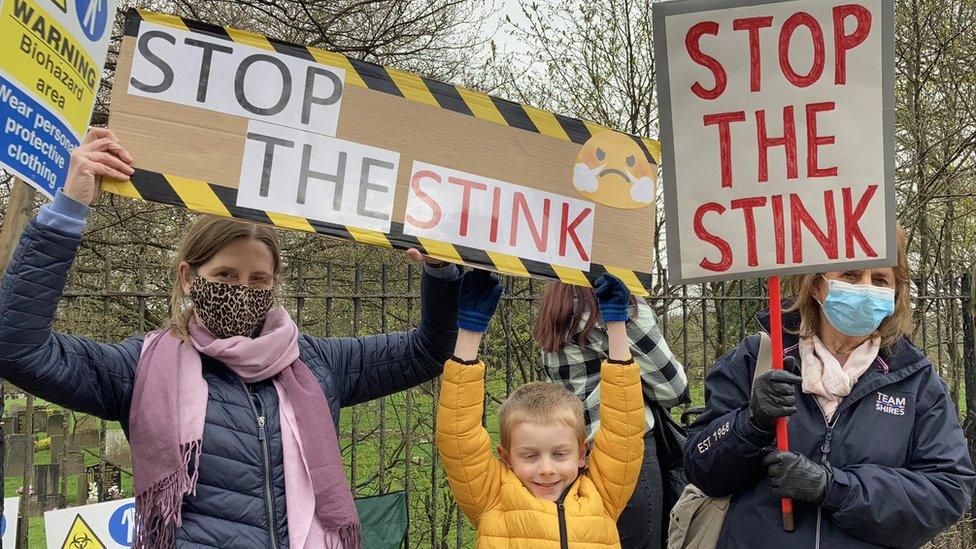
(824, 452)
(266, 457)
(561, 514)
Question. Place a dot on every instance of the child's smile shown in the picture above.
(546, 458)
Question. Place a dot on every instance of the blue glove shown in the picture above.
(480, 292)
(613, 298)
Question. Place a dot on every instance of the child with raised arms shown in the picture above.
(541, 491)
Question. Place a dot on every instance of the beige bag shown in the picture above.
(696, 520)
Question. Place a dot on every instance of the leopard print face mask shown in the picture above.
(230, 309)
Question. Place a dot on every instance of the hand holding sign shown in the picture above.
(99, 155)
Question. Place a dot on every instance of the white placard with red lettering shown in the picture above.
(479, 212)
(777, 127)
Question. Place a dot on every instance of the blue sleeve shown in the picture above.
(64, 214)
(724, 450)
(74, 372)
(907, 507)
(370, 367)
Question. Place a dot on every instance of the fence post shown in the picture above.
(969, 365)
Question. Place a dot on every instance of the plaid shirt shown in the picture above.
(578, 367)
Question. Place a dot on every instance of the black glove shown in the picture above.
(795, 476)
(773, 396)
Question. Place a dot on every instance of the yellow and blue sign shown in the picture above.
(50, 70)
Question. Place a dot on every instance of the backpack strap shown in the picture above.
(764, 362)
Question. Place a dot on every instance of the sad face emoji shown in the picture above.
(611, 169)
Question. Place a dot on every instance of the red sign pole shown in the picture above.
(782, 434)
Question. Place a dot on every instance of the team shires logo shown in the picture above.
(611, 169)
(890, 405)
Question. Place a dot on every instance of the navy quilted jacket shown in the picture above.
(901, 466)
(240, 500)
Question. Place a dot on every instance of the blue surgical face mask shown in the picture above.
(857, 309)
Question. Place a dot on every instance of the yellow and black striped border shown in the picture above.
(204, 197)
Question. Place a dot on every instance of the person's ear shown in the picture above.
(582, 454)
(185, 278)
(505, 457)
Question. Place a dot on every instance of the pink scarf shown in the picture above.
(825, 378)
(166, 421)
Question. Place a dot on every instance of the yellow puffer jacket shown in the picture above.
(504, 512)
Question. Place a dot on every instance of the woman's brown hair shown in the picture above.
(207, 236)
(562, 309)
(892, 328)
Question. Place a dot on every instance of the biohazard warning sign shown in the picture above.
(81, 536)
(231, 123)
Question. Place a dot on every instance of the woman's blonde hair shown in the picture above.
(206, 237)
(892, 328)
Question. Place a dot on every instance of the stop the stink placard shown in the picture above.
(777, 126)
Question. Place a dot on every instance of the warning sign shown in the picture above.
(81, 536)
(108, 525)
(49, 75)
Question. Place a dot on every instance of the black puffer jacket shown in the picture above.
(240, 500)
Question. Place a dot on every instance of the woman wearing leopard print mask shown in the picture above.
(230, 411)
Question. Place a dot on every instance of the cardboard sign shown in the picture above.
(777, 120)
(109, 525)
(8, 522)
(53, 53)
(236, 124)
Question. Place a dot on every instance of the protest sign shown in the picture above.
(109, 525)
(8, 522)
(777, 125)
(237, 124)
(53, 53)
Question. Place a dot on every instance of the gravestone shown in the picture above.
(74, 463)
(16, 453)
(113, 477)
(20, 425)
(57, 448)
(40, 420)
(55, 424)
(117, 448)
(88, 438)
(47, 487)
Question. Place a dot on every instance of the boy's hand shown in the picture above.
(613, 298)
(480, 293)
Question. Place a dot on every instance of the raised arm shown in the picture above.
(473, 472)
(373, 366)
(618, 446)
(73, 372)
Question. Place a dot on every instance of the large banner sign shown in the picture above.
(50, 69)
(237, 124)
(109, 525)
(777, 120)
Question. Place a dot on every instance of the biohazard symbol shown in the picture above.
(81, 536)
